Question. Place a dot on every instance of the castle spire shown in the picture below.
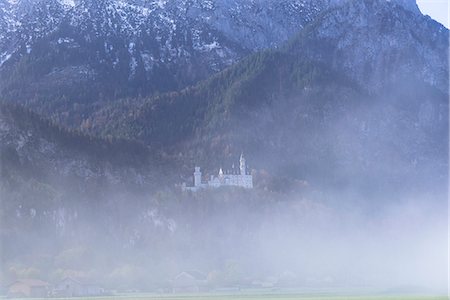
(242, 166)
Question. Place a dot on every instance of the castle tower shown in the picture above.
(242, 166)
(197, 177)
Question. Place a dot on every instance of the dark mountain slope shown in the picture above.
(36, 150)
(319, 107)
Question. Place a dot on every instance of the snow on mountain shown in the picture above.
(250, 24)
(112, 49)
(22, 22)
(67, 3)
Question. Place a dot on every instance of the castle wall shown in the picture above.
(240, 180)
(245, 181)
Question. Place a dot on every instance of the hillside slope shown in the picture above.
(36, 152)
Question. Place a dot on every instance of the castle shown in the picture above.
(239, 178)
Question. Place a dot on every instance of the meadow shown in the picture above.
(280, 297)
(258, 297)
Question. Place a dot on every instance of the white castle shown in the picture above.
(241, 178)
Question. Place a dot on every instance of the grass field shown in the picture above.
(259, 297)
(280, 297)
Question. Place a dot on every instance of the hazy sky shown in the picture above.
(437, 9)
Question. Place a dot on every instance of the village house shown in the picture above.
(189, 282)
(28, 288)
(70, 287)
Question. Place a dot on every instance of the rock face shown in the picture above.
(377, 43)
(56, 55)
(129, 48)
(255, 24)
(251, 24)
(411, 5)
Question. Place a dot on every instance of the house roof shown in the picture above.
(197, 275)
(78, 282)
(65, 279)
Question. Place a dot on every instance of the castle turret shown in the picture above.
(197, 177)
(242, 166)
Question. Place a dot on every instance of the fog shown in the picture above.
(302, 240)
(400, 247)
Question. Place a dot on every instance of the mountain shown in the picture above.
(66, 60)
(358, 91)
(340, 107)
(359, 67)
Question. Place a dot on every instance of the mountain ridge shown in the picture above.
(52, 50)
(130, 48)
